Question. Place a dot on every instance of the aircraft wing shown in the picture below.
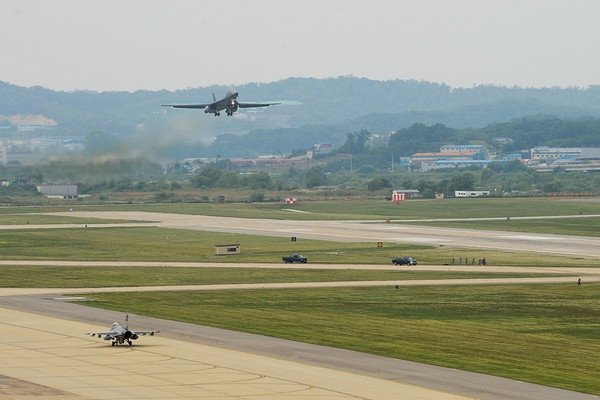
(187, 105)
(250, 105)
(100, 334)
(144, 333)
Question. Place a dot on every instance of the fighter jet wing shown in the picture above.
(144, 333)
(187, 105)
(100, 334)
(250, 105)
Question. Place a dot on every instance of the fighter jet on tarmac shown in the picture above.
(228, 103)
(121, 334)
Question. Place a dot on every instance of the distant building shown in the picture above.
(549, 154)
(590, 153)
(409, 193)
(463, 163)
(67, 191)
(443, 156)
(427, 161)
(322, 148)
(512, 157)
(503, 140)
(466, 148)
(471, 193)
(15, 182)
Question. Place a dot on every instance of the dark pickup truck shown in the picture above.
(404, 261)
(295, 258)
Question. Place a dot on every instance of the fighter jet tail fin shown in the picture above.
(214, 97)
(126, 326)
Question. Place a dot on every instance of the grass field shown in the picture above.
(160, 244)
(359, 209)
(546, 334)
(39, 219)
(382, 209)
(72, 277)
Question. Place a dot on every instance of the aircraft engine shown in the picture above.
(134, 336)
(231, 110)
(128, 334)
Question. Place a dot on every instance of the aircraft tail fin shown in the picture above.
(214, 98)
(126, 326)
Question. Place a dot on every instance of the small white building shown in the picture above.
(227, 249)
(471, 193)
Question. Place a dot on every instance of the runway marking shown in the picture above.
(293, 230)
(528, 237)
(394, 228)
(419, 239)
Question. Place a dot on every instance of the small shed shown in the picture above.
(226, 249)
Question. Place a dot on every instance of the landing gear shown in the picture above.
(129, 341)
(114, 343)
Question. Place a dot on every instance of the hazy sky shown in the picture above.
(175, 44)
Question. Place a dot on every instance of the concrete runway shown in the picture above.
(360, 231)
(49, 358)
(44, 352)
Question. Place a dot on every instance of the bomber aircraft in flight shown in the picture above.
(121, 334)
(228, 103)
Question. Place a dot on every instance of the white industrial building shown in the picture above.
(66, 191)
(549, 154)
(465, 148)
(471, 193)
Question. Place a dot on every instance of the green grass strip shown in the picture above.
(159, 244)
(547, 334)
(76, 277)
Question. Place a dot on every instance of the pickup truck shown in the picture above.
(404, 261)
(295, 258)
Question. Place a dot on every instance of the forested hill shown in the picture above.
(363, 103)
